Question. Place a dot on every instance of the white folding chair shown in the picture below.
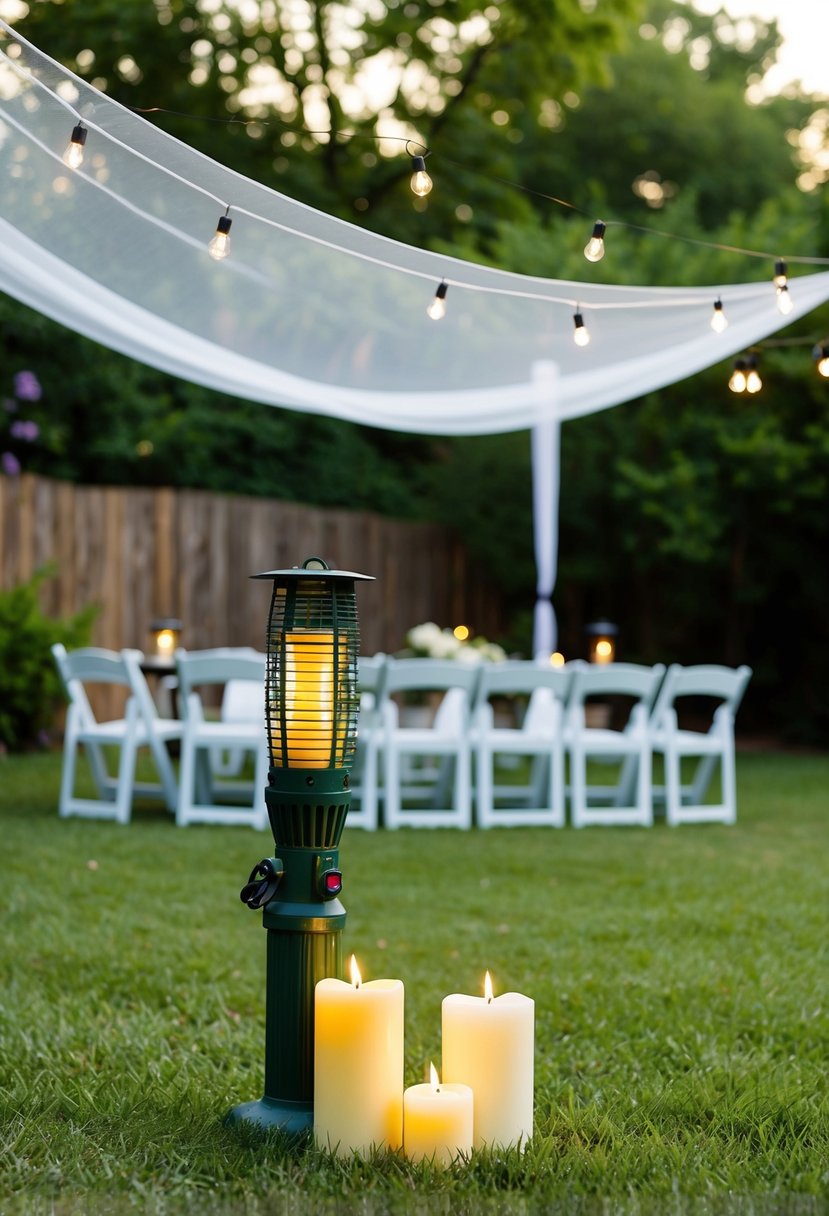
(628, 799)
(539, 800)
(242, 701)
(140, 727)
(444, 787)
(203, 798)
(685, 803)
(364, 811)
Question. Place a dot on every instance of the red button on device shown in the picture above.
(333, 882)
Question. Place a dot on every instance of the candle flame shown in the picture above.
(434, 1079)
(356, 978)
(488, 988)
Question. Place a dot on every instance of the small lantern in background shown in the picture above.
(601, 646)
(311, 706)
(166, 634)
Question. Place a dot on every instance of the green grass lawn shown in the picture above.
(680, 981)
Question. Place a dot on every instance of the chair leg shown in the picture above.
(729, 783)
(644, 800)
(673, 788)
(369, 796)
(392, 803)
(463, 789)
(126, 776)
(484, 761)
(187, 777)
(164, 764)
(578, 786)
(70, 761)
(557, 785)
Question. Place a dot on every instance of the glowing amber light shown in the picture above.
(165, 642)
(557, 659)
(434, 1079)
(461, 632)
(310, 693)
(604, 651)
(488, 988)
(356, 978)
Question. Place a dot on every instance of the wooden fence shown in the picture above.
(144, 553)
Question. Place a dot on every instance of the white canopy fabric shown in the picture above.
(308, 311)
(313, 313)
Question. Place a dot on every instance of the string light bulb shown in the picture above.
(719, 321)
(820, 354)
(737, 382)
(784, 300)
(753, 381)
(594, 249)
(421, 181)
(781, 274)
(581, 334)
(219, 246)
(73, 155)
(437, 308)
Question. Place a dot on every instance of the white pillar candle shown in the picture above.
(488, 1044)
(437, 1121)
(358, 1064)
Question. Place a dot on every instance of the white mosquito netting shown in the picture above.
(308, 311)
(313, 313)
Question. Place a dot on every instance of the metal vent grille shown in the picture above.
(307, 825)
(311, 689)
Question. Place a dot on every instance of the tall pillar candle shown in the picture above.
(358, 1064)
(437, 1121)
(488, 1044)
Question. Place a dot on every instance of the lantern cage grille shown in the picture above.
(311, 701)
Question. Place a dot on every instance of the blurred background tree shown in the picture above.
(692, 517)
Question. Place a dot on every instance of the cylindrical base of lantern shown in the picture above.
(304, 946)
(268, 1114)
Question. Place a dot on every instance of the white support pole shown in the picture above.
(546, 474)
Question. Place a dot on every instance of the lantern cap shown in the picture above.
(313, 568)
(602, 627)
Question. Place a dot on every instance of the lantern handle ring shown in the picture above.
(315, 563)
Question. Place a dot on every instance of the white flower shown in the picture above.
(430, 641)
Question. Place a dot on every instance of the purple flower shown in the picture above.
(23, 429)
(10, 464)
(27, 387)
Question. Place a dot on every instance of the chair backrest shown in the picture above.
(431, 675)
(196, 668)
(243, 701)
(96, 665)
(615, 680)
(88, 665)
(723, 684)
(370, 672)
(521, 677)
(371, 681)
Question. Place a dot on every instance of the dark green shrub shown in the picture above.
(30, 688)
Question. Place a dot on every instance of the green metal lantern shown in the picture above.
(311, 706)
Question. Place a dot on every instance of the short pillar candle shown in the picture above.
(437, 1121)
(488, 1044)
(358, 1064)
